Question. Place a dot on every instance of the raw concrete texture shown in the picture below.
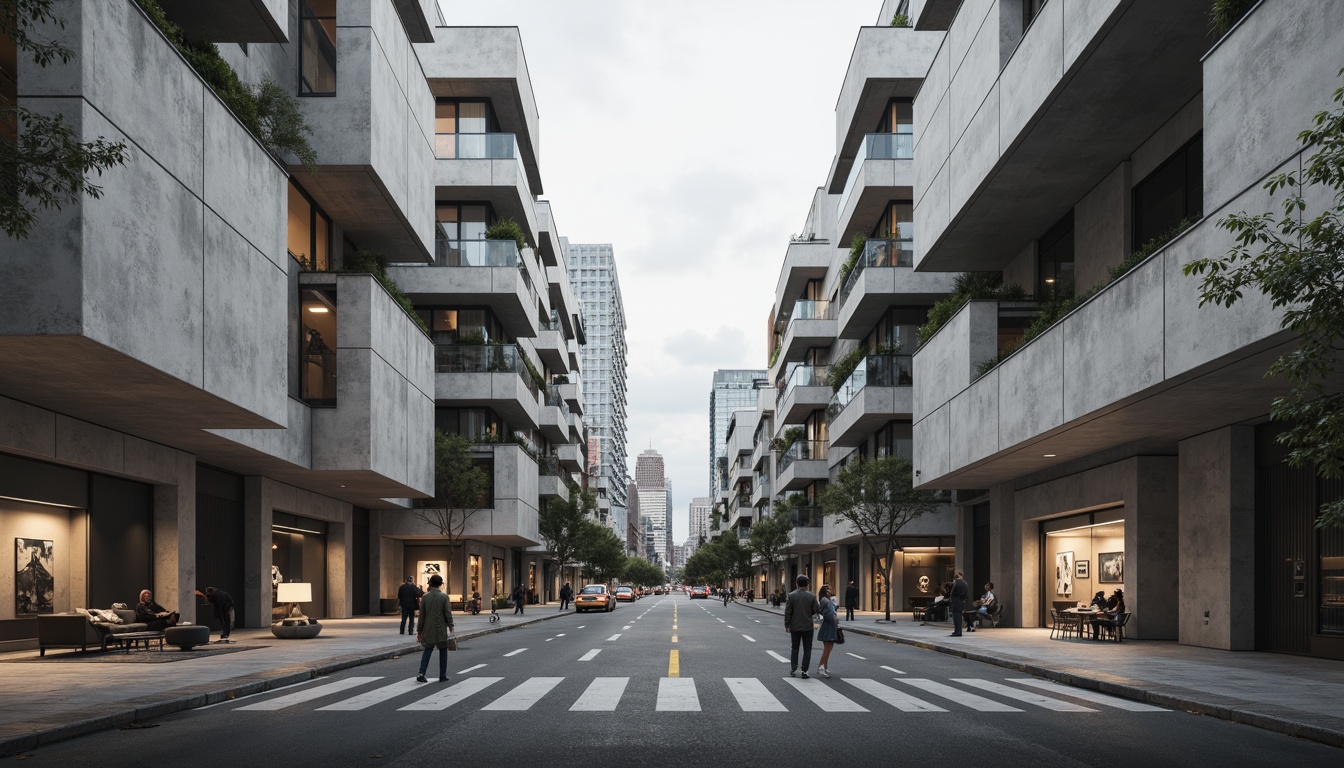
(1033, 69)
(1022, 269)
(933, 213)
(975, 74)
(965, 26)
(886, 61)
(976, 151)
(1217, 539)
(1082, 20)
(27, 428)
(242, 184)
(1181, 128)
(1113, 345)
(934, 146)
(1260, 91)
(933, 444)
(945, 364)
(1031, 390)
(974, 423)
(1102, 226)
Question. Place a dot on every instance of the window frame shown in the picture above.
(308, 14)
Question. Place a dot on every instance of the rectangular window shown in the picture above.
(1170, 194)
(1054, 260)
(317, 47)
(899, 120)
(309, 232)
(317, 364)
(460, 235)
(467, 129)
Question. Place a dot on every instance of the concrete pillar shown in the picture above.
(1217, 539)
(340, 577)
(1007, 567)
(175, 539)
(1151, 546)
(256, 554)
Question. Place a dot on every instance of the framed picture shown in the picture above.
(34, 579)
(1064, 574)
(1081, 569)
(426, 568)
(1111, 567)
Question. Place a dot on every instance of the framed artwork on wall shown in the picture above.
(34, 579)
(1111, 567)
(1081, 569)
(426, 568)
(1064, 574)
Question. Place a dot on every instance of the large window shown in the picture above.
(898, 223)
(475, 424)
(463, 129)
(464, 326)
(317, 362)
(1054, 260)
(460, 237)
(1170, 194)
(317, 47)
(309, 235)
(898, 119)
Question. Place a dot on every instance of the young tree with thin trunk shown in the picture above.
(770, 538)
(878, 498)
(460, 488)
(561, 523)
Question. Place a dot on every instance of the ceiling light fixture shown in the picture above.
(319, 310)
(1049, 455)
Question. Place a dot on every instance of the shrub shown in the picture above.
(507, 229)
(968, 286)
(843, 368)
(856, 247)
(1226, 13)
(900, 20)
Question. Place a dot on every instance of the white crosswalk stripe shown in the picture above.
(270, 705)
(827, 698)
(376, 696)
(978, 703)
(603, 695)
(677, 694)
(1029, 697)
(1085, 695)
(753, 696)
(898, 699)
(525, 695)
(447, 698)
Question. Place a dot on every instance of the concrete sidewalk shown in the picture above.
(1291, 694)
(49, 701)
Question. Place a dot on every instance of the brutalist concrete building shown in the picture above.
(196, 390)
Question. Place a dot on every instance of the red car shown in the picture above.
(700, 592)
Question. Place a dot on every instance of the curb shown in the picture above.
(1269, 717)
(41, 732)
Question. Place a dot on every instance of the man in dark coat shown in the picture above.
(518, 597)
(408, 595)
(222, 604)
(155, 616)
(961, 592)
(851, 600)
(566, 594)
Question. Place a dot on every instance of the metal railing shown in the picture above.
(483, 358)
(804, 376)
(802, 450)
(880, 253)
(877, 146)
(548, 466)
(875, 370)
(806, 517)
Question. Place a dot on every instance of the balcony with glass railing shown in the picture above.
(484, 358)
(801, 450)
(880, 253)
(877, 146)
(476, 146)
(879, 390)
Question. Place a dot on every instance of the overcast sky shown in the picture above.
(691, 135)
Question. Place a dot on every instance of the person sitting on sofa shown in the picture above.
(155, 616)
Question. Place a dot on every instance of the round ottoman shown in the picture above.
(296, 628)
(187, 636)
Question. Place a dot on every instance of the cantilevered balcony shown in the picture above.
(476, 273)
(807, 389)
(807, 532)
(879, 390)
(883, 278)
(486, 167)
(882, 172)
(761, 489)
(550, 479)
(511, 520)
(571, 457)
(572, 391)
(811, 324)
(550, 343)
(489, 375)
(800, 465)
(805, 260)
(554, 416)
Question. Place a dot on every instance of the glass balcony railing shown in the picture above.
(878, 146)
(806, 517)
(548, 466)
(557, 400)
(806, 309)
(551, 322)
(476, 253)
(882, 253)
(319, 379)
(802, 450)
(804, 376)
(874, 370)
(476, 146)
(483, 358)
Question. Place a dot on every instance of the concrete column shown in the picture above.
(1217, 539)
(1151, 546)
(175, 539)
(256, 554)
(340, 578)
(1007, 566)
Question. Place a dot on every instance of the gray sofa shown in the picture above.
(75, 630)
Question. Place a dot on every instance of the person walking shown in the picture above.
(518, 596)
(960, 592)
(830, 629)
(851, 600)
(222, 603)
(436, 624)
(408, 596)
(799, 608)
(566, 594)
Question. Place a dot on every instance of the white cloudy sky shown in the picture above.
(691, 135)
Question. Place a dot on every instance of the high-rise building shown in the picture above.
(732, 390)
(701, 506)
(592, 277)
(651, 479)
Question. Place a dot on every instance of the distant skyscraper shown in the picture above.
(701, 506)
(592, 276)
(733, 390)
(651, 478)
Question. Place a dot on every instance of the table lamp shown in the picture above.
(295, 625)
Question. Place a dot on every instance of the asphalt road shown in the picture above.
(672, 682)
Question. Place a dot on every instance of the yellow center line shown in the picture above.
(674, 638)
(673, 665)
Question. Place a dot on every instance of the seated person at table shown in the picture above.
(154, 615)
(1099, 601)
(1110, 615)
(937, 611)
(982, 607)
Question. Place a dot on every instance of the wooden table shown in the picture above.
(126, 640)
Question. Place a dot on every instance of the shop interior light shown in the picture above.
(1048, 455)
(291, 529)
(35, 501)
(1085, 527)
(318, 310)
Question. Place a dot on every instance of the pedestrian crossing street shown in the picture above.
(683, 694)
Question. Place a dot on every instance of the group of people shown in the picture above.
(1108, 612)
(156, 618)
(800, 606)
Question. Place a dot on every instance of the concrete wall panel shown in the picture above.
(1101, 226)
(1113, 347)
(966, 26)
(932, 152)
(1082, 19)
(1182, 127)
(974, 421)
(89, 445)
(932, 91)
(26, 428)
(1031, 389)
(1033, 71)
(976, 151)
(243, 185)
(933, 444)
(975, 76)
(933, 213)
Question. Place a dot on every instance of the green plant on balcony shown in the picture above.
(560, 379)
(268, 110)
(507, 229)
(856, 247)
(474, 337)
(791, 436)
(967, 287)
(1226, 13)
(843, 368)
(537, 378)
(774, 355)
(900, 20)
(375, 264)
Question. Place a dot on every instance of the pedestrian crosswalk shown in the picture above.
(685, 694)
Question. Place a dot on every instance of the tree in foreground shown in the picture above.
(561, 523)
(770, 537)
(1298, 262)
(878, 498)
(460, 488)
(602, 553)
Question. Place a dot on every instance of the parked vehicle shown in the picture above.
(626, 594)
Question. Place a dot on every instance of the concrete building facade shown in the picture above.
(654, 510)
(730, 390)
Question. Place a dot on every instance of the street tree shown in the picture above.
(460, 488)
(770, 537)
(42, 162)
(642, 573)
(561, 521)
(1298, 262)
(602, 553)
(878, 498)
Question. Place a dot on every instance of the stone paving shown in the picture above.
(1292, 694)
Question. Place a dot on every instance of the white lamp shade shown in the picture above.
(294, 592)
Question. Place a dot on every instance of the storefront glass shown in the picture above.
(497, 575)
(1332, 581)
(473, 574)
(1082, 555)
(299, 554)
